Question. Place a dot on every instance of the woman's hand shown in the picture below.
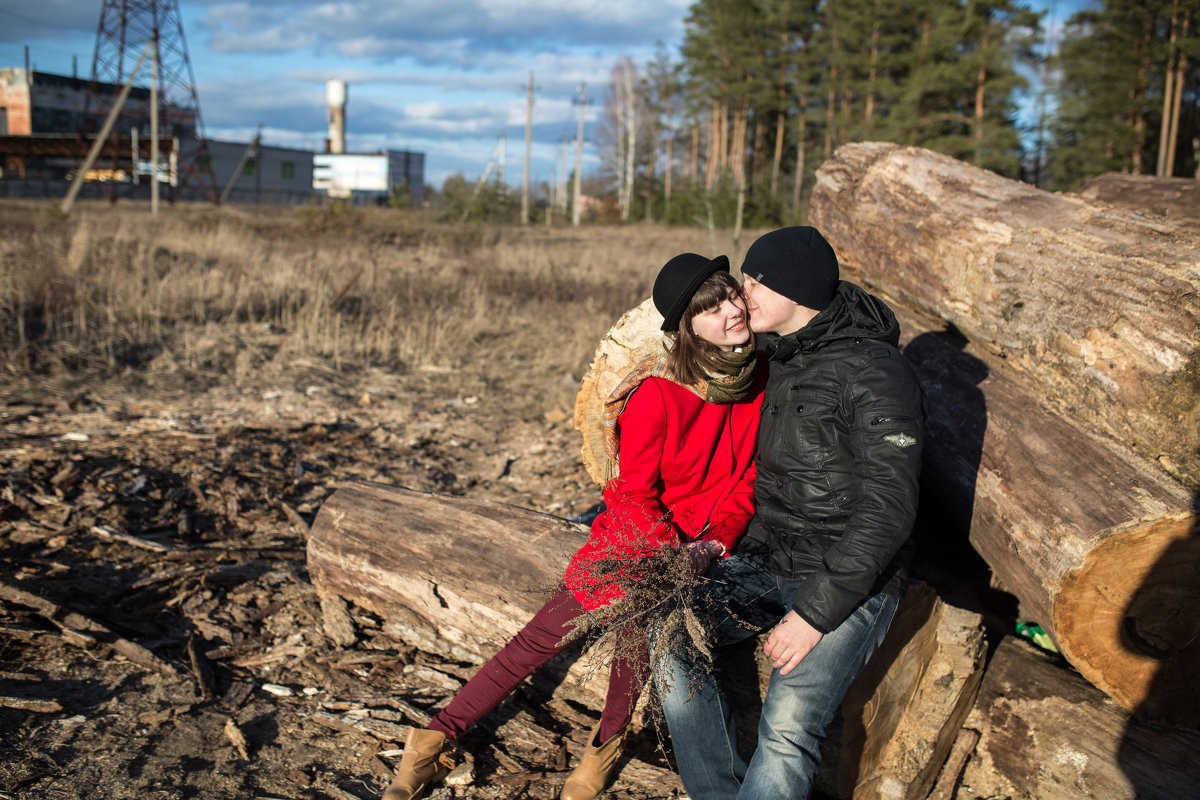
(702, 552)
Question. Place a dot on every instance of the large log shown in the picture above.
(901, 715)
(1176, 200)
(451, 576)
(635, 336)
(454, 576)
(1098, 308)
(1098, 545)
(1045, 734)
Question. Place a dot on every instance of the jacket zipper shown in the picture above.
(881, 420)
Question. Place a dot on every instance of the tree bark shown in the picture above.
(1047, 735)
(1164, 127)
(1098, 310)
(801, 136)
(451, 576)
(1181, 69)
(1096, 543)
(1177, 200)
(904, 710)
(777, 155)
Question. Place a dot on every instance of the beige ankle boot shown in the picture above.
(428, 757)
(595, 768)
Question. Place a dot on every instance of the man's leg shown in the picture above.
(697, 711)
(800, 705)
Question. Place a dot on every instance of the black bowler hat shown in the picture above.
(678, 280)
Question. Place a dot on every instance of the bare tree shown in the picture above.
(618, 133)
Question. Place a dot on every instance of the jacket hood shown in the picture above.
(853, 314)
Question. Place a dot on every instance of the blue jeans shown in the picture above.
(798, 706)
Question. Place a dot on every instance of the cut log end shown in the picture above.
(1127, 618)
(637, 335)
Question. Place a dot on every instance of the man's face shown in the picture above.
(770, 312)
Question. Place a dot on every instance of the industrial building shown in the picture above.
(361, 178)
(264, 173)
(33, 103)
(42, 116)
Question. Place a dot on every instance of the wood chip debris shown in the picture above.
(235, 736)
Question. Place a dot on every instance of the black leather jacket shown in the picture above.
(839, 458)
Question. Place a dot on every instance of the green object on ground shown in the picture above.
(1034, 633)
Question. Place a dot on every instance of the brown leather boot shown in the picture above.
(595, 769)
(428, 757)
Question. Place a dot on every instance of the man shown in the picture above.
(824, 560)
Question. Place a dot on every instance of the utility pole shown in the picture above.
(560, 182)
(578, 156)
(154, 126)
(250, 152)
(105, 130)
(528, 140)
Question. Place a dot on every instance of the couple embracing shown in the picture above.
(789, 474)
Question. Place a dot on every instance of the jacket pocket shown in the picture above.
(813, 425)
(897, 429)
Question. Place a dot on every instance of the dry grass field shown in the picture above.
(180, 394)
(361, 288)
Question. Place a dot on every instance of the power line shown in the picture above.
(38, 22)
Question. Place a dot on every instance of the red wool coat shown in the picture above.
(684, 464)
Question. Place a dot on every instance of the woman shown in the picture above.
(681, 428)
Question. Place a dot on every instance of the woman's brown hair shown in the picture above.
(691, 358)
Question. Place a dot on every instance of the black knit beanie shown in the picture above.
(678, 280)
(797, 263)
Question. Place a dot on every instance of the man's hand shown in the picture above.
(790, 641)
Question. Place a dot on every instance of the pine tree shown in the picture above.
(1002, 34)
(928, 110)
(723, 52)
(1114, 63)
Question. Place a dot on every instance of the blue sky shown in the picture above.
(444, 78)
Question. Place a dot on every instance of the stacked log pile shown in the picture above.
(1098, 310)
(1058, 342)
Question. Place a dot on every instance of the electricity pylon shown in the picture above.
(124, 29)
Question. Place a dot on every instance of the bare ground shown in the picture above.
(240, 692)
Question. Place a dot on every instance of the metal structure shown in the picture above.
(335, 96)
(124, 29)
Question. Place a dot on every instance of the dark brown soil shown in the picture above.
(225, 481)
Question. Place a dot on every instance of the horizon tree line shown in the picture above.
(764, 91)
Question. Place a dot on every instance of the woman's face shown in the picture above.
(724, 325)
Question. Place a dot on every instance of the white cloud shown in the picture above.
(22, 22)
(446, 79)
(460, 32)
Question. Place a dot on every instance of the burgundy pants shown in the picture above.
(536, 644)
